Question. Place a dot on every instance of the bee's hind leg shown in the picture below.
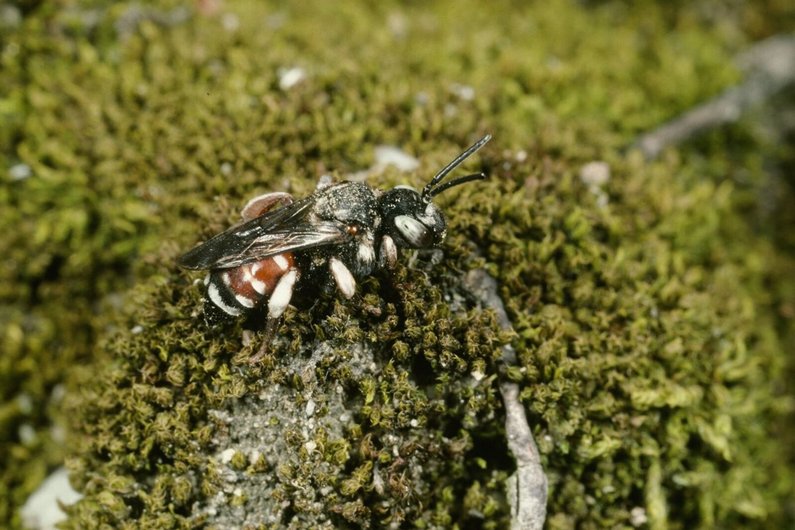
(277, 303)
(260, 204)
(271, 325)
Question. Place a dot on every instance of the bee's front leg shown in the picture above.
(342, 277)
(387, 253)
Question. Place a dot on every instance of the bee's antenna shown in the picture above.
(427, 191)
(455, 182)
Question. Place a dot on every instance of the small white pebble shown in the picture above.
(41, 511)
(378, 482)
(290, 77)
(465, 92)
(414, 423)
(24, 403)
(637, 516)
(276, 20)
(227, 455)
(595, 173)
(230, 22)
(226, 169)
(10, 16)
(27, 434)
(477, 375)
(19, 172)
(58, 393)
(58, 433)
(136, 329)
(310, 446)
(310, 407)
(521, 155)
(387, 155)
(398, 24)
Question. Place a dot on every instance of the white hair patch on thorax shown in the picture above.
(365, 253)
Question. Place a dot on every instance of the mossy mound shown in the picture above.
(651, 318)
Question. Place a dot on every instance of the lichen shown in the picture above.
(653, 316)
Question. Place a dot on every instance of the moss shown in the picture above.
(652, 328)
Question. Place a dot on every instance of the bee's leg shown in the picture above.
(387, 253)
(262, 203)
(343, 277)
(271, 325)
(277, 303)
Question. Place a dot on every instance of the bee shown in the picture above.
(326, 241)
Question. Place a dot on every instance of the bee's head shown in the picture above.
(410, 218)
(411, 221)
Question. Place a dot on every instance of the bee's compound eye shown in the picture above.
(413, 231)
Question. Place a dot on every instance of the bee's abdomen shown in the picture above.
(236, 291)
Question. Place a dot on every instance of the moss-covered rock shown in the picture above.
(652, 312)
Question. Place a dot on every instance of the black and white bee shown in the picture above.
(340, 233)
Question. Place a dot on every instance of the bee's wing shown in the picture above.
(285, 229)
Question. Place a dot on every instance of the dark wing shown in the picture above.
(285, 229)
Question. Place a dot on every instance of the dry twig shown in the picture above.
(527, 487)
(769, 67)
